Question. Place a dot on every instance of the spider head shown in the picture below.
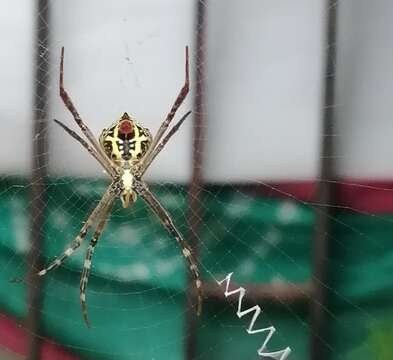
(125, 141)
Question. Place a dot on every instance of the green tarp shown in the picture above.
(136, 293)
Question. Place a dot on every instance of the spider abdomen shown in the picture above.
(125, 140)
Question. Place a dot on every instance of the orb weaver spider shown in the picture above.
(125, 150)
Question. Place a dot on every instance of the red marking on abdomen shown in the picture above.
(126, 127)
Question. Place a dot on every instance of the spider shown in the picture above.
(125, 150)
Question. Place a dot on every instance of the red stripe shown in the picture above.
(301, 191)
(13, 337)
(366, 196)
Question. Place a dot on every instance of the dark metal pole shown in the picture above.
(273, 294)
(195, 213)
(325, 195)
(38, 177)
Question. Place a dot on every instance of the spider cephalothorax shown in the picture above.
(125, 141)
(125, 150)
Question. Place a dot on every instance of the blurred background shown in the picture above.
(283, 175)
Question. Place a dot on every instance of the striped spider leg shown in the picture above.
(143, 191)
(89, 253)
(70, 106)
(96, 214)
(125, 150)
(108, 167)
(147, 159)
(162, 144)
(100, 216)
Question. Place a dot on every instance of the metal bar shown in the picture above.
(275, 294)
(325, 195)
(196, 181)
(38, 178)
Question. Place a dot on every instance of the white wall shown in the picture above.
(264, 82)
(264, 90)
(16, 87)
(365, 89)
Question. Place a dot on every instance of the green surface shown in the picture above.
(136, 293)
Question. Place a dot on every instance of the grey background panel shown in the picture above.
(121, 56)
(264, 90)
(264, 84)
(365, 89)
(16, 76)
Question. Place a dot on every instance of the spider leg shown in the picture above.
(70, 106)
(107, 198)
(179, 100)
(84, 143)
(87, 264)
(163, 142)
(143, 191)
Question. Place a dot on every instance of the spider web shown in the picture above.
(263, 85)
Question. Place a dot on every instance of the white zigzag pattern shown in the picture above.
(262, 351)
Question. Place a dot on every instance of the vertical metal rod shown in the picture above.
(195, 188)
(38, 177)
(325, 195)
